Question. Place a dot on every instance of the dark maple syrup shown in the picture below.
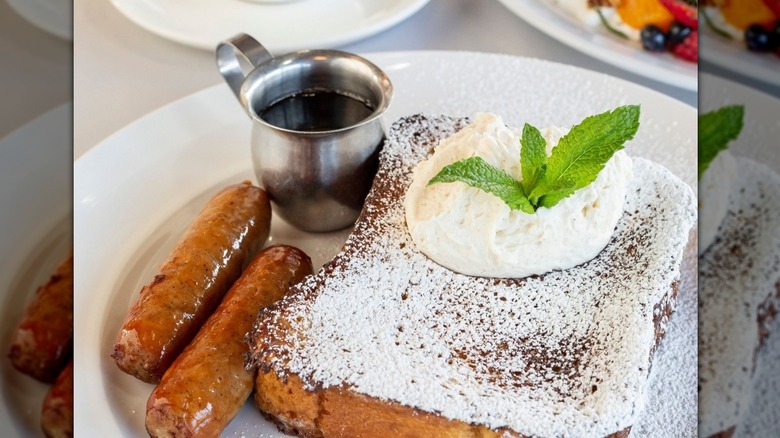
(316, 111)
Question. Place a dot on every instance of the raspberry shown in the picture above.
(689, 48)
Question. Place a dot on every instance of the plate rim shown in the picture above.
(350, 36)
(389, 54)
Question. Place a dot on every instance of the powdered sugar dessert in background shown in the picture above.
(715, 188)
(473, 232)
(738, 275)
(564, 354)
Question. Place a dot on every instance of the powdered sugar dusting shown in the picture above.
(564, 354)
(761, 418)
(738, 273)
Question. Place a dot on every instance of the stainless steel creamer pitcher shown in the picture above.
(316, 129)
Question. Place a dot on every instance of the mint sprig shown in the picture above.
(574, 163)
(716, 129)
(533, 157)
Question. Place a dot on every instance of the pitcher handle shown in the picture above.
(229, 55)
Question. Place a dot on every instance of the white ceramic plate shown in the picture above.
(602, 45)
(35, 224)
(758, 142)
(733, 56)
(283, 27)
(136, 191)
(52, 16)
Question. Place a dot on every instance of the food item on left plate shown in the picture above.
(42, 343)
(208, 383)
(384, 341)
(57, 412)
(658, 25)
(191, 282)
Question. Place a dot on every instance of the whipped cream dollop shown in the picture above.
(714, 191)
(475, 233)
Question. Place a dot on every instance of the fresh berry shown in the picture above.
(758, 39)
(678, 32)
(683, 12)
(653, 38)
(689, 48)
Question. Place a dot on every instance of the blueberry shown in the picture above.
(758, 39)
(653, 38)
(678, 32)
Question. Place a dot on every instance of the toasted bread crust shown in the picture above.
(342, 413)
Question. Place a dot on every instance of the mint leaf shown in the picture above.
(716, 130)
(533, 157)
(476, 172)
(574, 163)
(582, 153)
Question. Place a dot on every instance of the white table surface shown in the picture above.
(123, 72)
(36, 71)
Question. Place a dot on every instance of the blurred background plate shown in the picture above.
(282, 27)
(35, 235)
(52, 16)
(602, 45)
(736, 58)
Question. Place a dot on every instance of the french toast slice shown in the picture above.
(382, 341)
(739, 296)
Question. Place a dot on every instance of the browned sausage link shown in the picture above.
(42, 344)
(207, 259)
(57, 413)
(207, 384)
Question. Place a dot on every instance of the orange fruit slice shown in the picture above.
(744, 13)
(640, 13)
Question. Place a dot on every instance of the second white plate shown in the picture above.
(601, 45)
(282, 27)
(137, 190)
(52, 16)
